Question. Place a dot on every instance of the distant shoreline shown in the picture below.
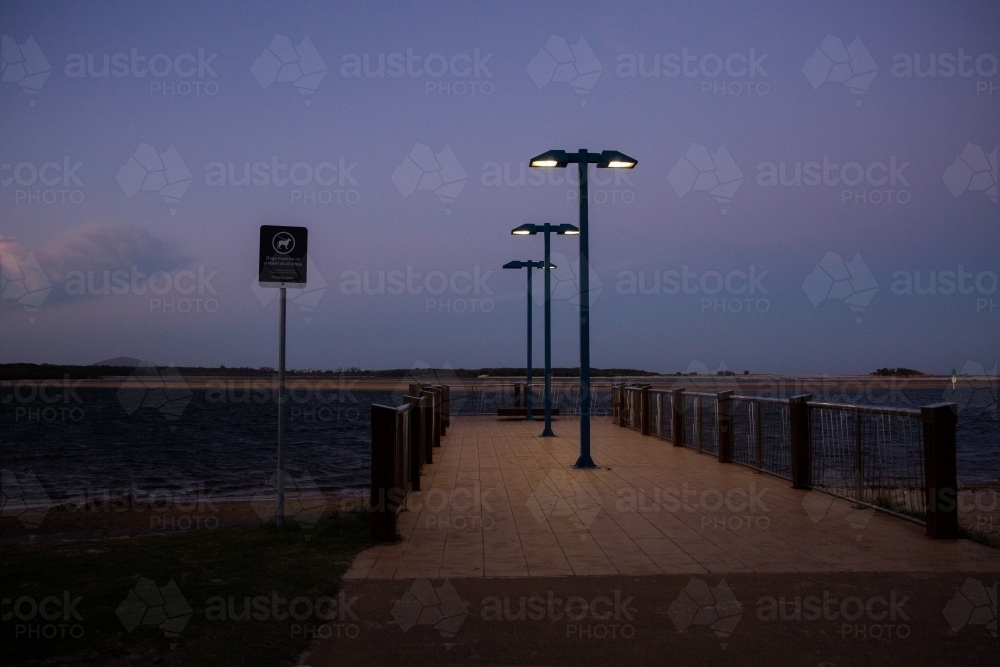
(798, 383)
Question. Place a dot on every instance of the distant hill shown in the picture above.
(119, 361)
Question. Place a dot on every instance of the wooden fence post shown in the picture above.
(427, 425)
(417, 453)
(385, 491)
(799, 432)
(645, 421)
(677, 416)
(940, 474)
(724, 425)
(446, 411)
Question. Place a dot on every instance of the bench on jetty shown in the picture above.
(521, 412)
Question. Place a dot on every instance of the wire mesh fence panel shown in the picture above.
(745, 429)
(690, 422)
(633, 401)
(872, 457)
(661, 405)
(709, 425)
(776, 439)
(700, 422)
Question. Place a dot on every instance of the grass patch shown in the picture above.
(242, 562)
(979, 536)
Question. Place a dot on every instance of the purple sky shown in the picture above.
(497, 84)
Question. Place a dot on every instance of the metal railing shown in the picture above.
(896, 460)
(873, 456)
(761, 435)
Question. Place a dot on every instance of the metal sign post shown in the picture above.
(282, 263)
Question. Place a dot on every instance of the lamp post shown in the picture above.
(604, 160)
(546, 229)
(528, 264)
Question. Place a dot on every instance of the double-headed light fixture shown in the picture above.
(582, 158)
(531, 230)
(528, 265)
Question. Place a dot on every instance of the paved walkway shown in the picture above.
(501, 502)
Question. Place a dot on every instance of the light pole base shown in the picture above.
(585, 463)
(547, 433)
(529, 417)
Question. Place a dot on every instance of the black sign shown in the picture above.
(282, 256)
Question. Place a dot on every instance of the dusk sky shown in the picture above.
(404, 135)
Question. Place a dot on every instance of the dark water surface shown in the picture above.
(91, 442)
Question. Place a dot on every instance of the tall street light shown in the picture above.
(528, 264)
(603, 160)
(546, 229)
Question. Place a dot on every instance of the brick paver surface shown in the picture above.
(498, 501)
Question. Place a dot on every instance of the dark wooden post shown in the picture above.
(622, 406)
(427, 426)
(517, 395)
(446, 412)
(724, 425)
(940, 475)
(403, 457)
(438, 416)
(438, 394)
(646, 420)
(435, 416)
(658, 420)
(417, 453)
(615, 410)
(799, 432)
(677, 416)
(384, 488)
